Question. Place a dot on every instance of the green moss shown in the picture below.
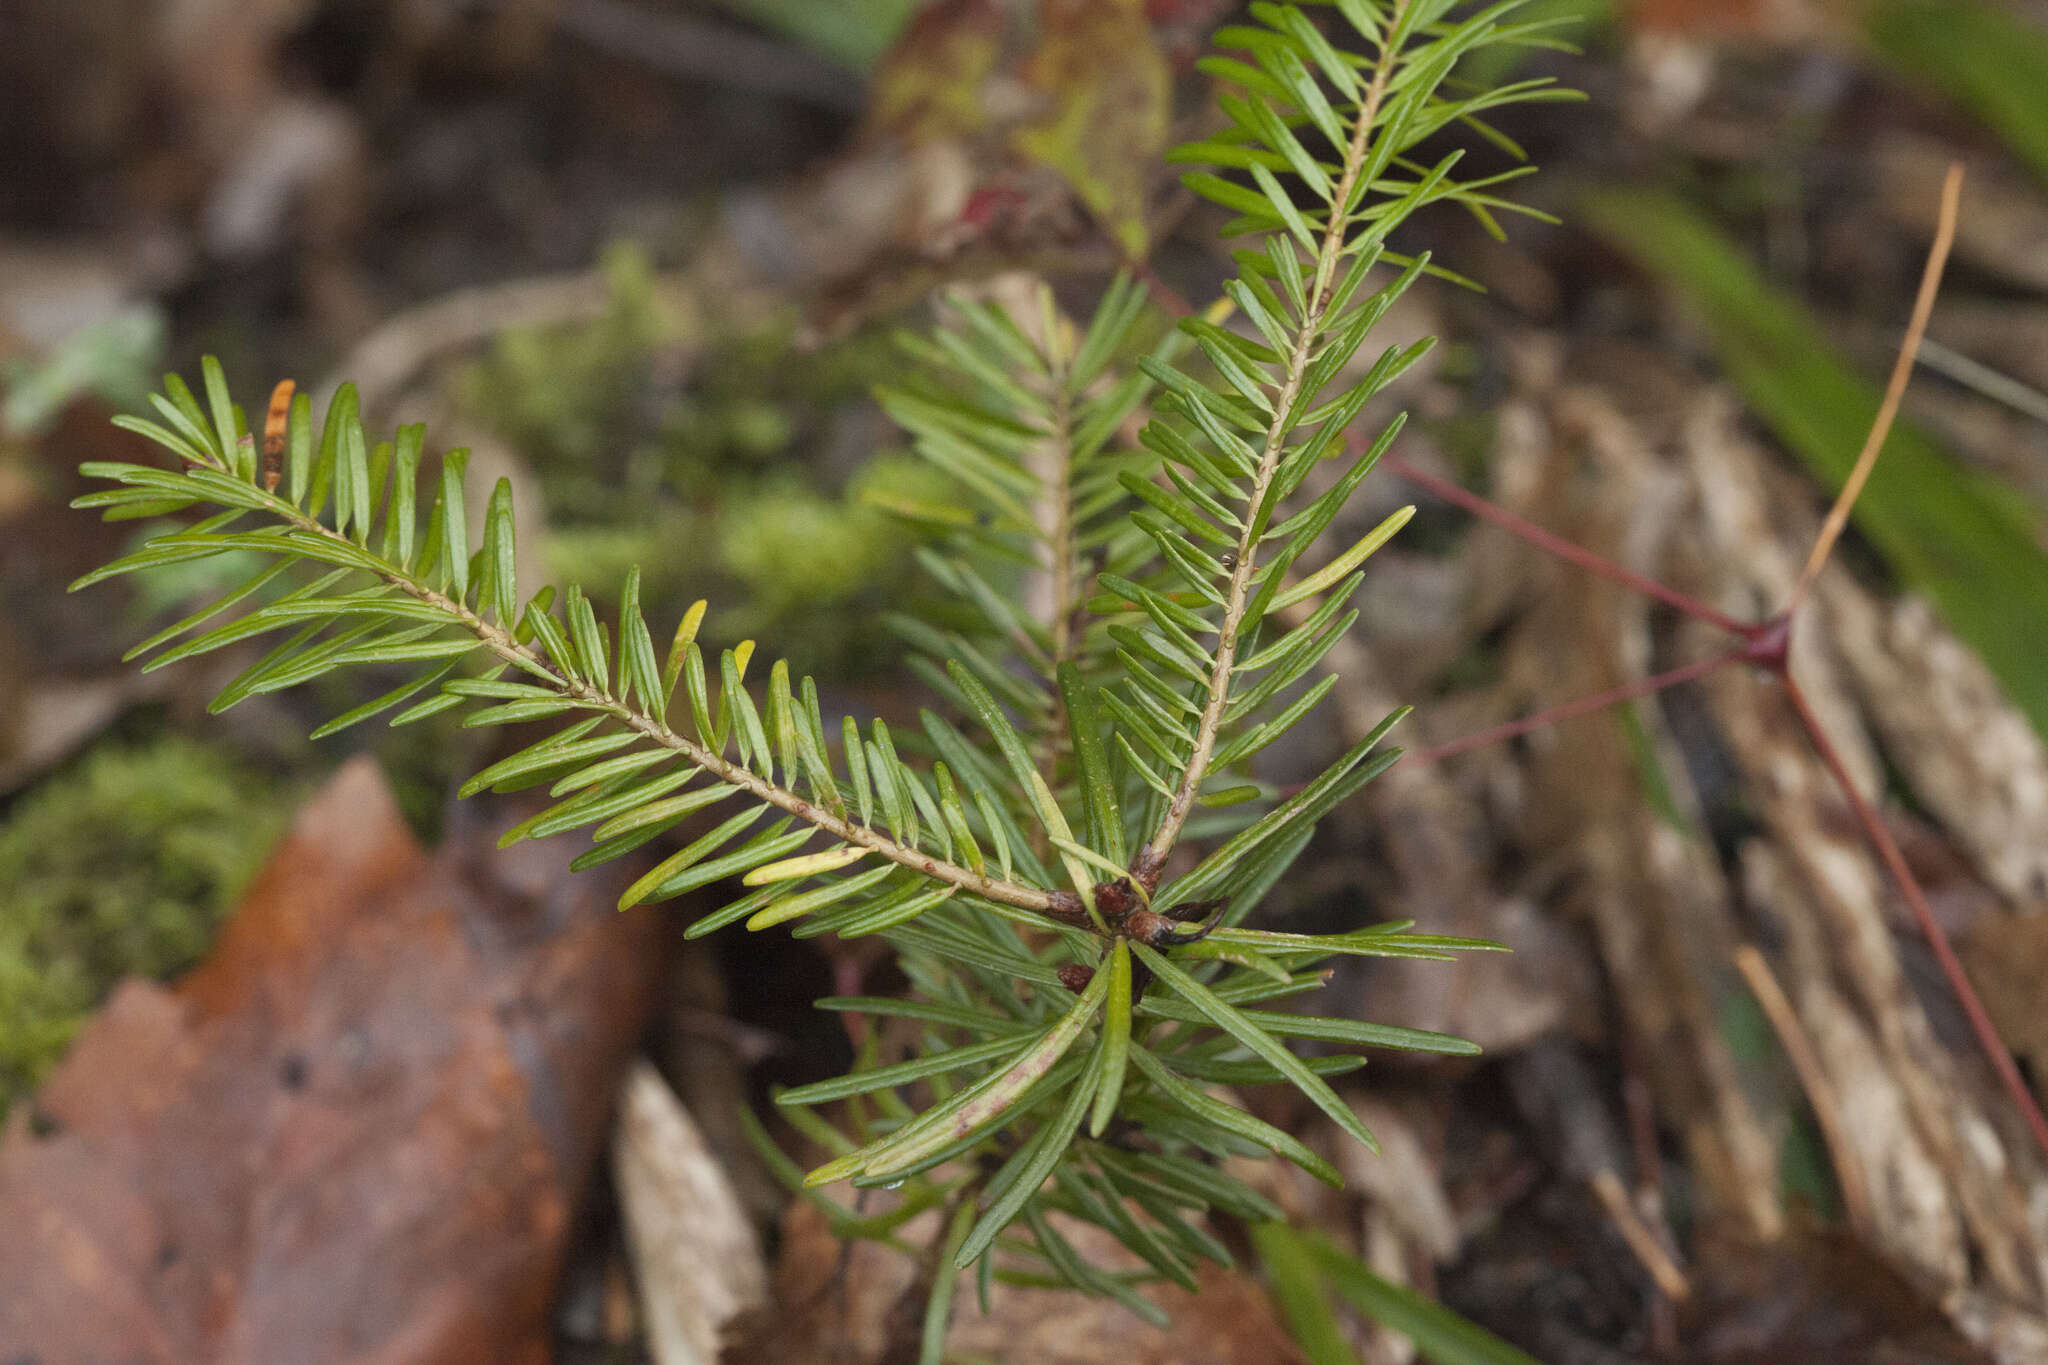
(792, 547)
(713, 485)
(567, 397)
(126, 863)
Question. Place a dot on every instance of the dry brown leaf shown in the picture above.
(353, 1133)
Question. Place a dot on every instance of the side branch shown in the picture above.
(496, 637)
(1147, 866)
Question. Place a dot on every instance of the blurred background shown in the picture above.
(428, 1102)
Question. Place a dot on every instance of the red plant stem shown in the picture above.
(1766, 644)
(1951, 966)
(1514, 728)
(1564, 549)
(1170, 300)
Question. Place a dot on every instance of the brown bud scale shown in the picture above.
(275, 424)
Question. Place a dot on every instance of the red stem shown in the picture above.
(1514, 728)
(1767, 644)
(1562, 548)
(1951, 966)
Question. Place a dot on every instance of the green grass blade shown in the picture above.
(1992, 62)
(1297, 1286)
(1444, 1336)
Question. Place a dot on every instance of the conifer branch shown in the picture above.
(1060, 553)
(1056, 525)
(584, 694)
(1238, 596)
(1152, 668)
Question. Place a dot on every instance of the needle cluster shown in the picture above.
(1137, 621)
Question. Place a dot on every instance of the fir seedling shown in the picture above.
(1065, 850)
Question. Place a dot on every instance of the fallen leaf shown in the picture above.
(354, 1132)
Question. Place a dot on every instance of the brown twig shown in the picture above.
(1569, 551)
(1895, 390)
(383, 362)
(1648, 1248)
(1639, 1108)
(1813, 1079)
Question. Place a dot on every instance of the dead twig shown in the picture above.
(1813, 1079)
(1894, 392)
(384, 361)
(1648, 1247)
(1887, 849)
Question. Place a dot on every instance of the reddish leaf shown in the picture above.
(353, 1133)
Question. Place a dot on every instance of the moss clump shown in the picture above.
(126, 863)
(575, 400)
(711, 451)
